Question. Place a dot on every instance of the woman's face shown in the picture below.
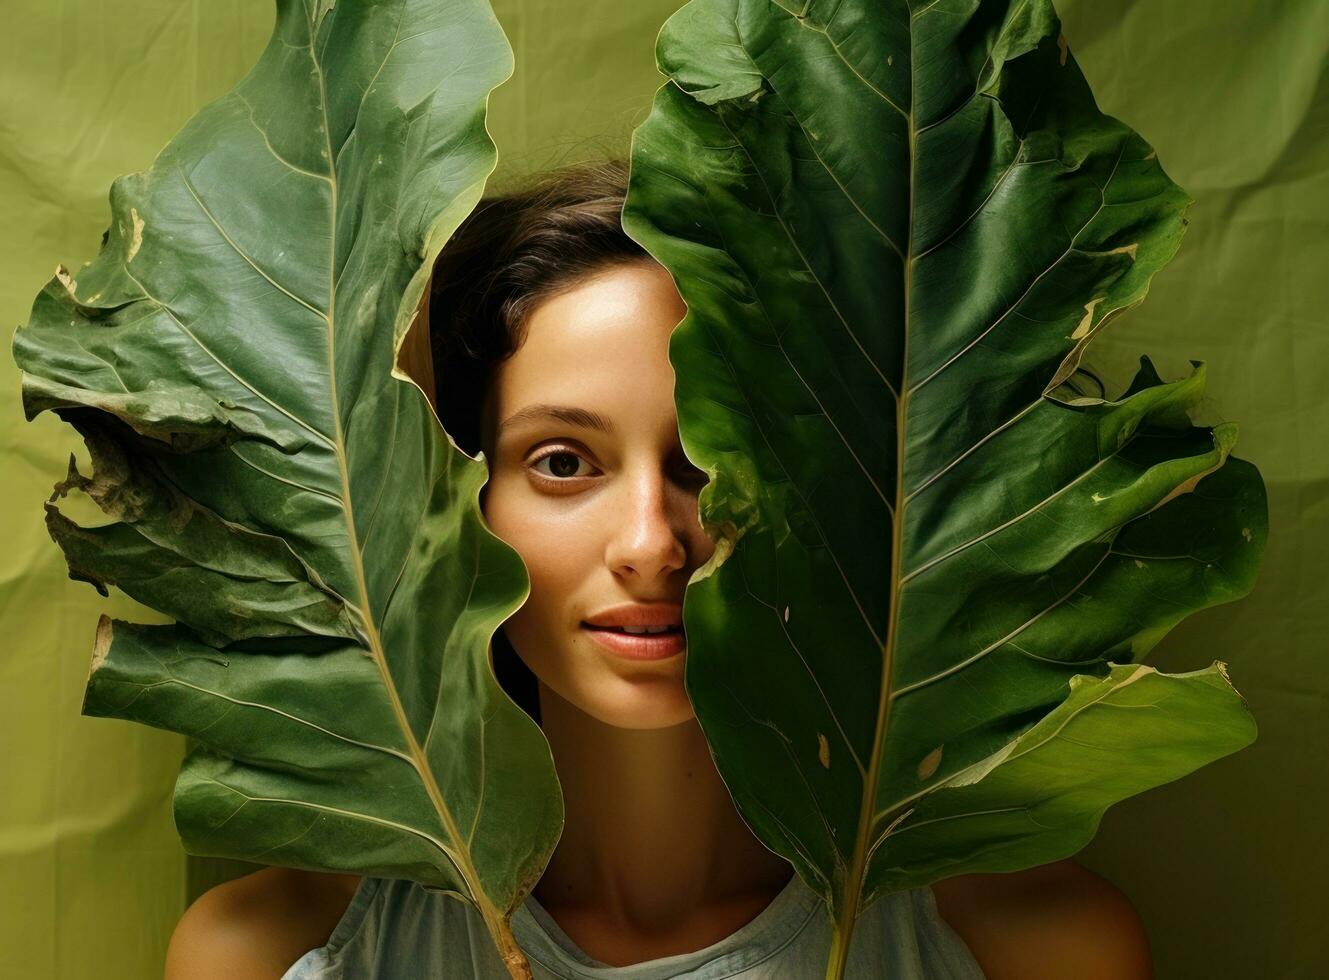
(602, 519)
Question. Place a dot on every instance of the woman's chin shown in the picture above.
(642, 703)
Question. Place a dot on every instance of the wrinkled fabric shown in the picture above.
(396, 930)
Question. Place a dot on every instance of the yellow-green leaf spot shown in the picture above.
(101, 645)
(1083, 327)
(66, 280)
(136, 239)
(1245, 533)
(930, 762)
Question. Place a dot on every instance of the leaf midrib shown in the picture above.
(418, 759)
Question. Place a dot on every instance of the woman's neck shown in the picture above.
(652, 843)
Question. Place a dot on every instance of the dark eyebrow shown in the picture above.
(559, 413)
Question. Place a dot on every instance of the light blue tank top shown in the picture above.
(396, 930)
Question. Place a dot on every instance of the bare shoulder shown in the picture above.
(1055, 921)
(257, 925)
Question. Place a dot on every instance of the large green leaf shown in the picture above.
(896, 227)
(278, 486)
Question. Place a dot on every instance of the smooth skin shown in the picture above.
(602, 518)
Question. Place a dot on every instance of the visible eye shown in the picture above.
(563, 467)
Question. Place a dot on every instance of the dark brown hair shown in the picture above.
(512, 252)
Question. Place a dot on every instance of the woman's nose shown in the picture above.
(649, 534)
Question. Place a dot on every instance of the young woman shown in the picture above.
(550, 332)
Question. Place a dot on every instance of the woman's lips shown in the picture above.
(641, 646)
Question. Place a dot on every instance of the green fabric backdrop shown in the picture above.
(1227, 866)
